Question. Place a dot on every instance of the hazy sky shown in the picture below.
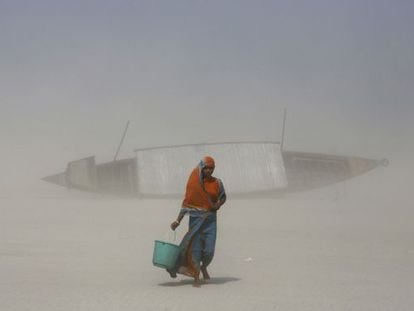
(73, 72)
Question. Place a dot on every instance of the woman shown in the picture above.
(203, 198)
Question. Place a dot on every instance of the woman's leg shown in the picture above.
(197, 250)
(196, 254)
(209, 244)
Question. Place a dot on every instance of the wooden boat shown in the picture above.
(245, 168)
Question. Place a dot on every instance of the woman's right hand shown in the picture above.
(174, 225)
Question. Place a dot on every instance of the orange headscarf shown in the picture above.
(208, 161)
(202, 192)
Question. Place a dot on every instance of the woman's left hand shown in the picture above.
(216, 206)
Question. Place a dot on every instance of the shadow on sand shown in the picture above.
(212, 281)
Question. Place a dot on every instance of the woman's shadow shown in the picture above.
(212, 281)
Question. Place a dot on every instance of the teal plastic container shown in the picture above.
(165, 254)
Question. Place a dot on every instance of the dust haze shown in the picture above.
(73, 73)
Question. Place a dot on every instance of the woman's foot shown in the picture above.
(197, 282)
(206, 276)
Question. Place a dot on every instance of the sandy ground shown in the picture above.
(345, 247)
(293, 253)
